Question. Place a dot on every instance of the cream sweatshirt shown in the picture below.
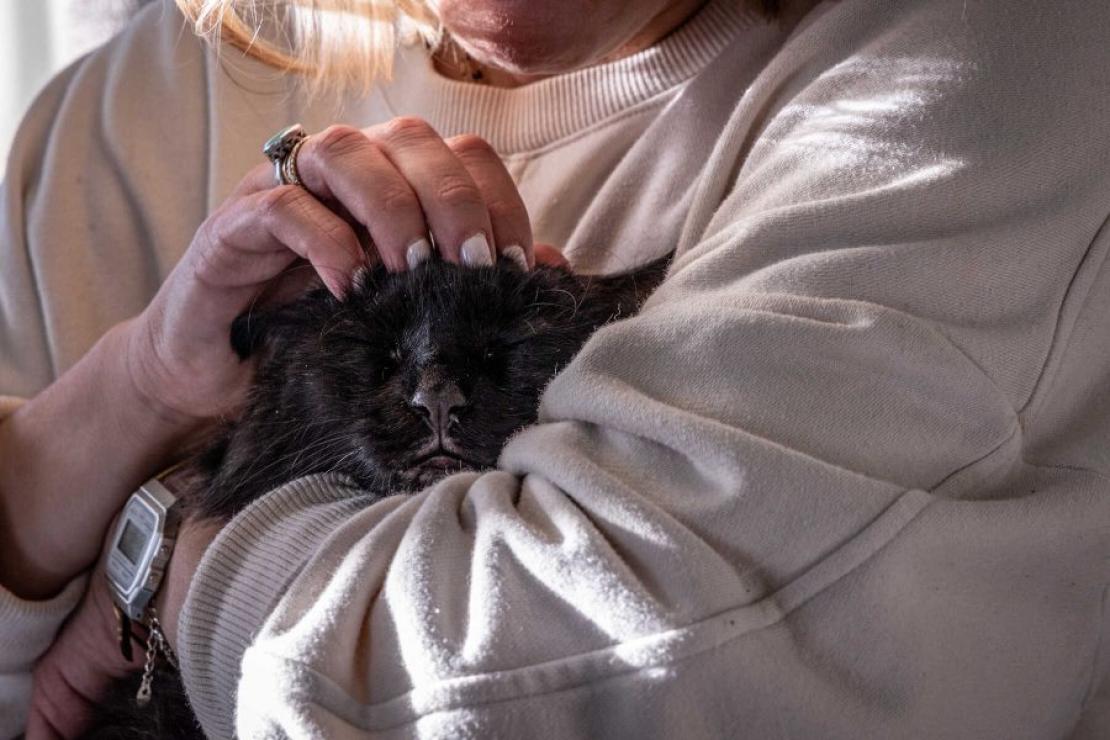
(846, 475)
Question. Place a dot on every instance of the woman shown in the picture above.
(844, 476)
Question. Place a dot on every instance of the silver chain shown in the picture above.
(155, 643)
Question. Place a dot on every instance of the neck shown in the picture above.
(451, 62)
(661, 26)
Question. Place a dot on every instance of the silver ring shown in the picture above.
(281, 149)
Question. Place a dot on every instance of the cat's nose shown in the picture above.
(437, 402)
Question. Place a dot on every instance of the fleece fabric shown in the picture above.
(846, 475)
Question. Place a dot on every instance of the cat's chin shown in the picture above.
(428, 470)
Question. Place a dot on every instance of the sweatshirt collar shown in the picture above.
(530, 117)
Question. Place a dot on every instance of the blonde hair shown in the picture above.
(333, 44)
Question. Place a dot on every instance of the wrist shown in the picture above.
(148, 380)
(193, 538)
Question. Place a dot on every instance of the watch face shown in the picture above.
(131, 542)
(140, 548)
(128, 556)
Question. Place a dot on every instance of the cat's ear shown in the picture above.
(249, 332)
(261, 328)
(285, 308)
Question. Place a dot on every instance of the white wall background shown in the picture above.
(40, 37)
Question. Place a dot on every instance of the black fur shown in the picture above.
(167, 716)
(336, 380)
(335, 385)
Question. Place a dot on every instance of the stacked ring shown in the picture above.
(281, 149)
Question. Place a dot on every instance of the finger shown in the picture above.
(262, 234)
(343, 165)
(512, 230)
(548, 255)
(258, 178)
(452, 202)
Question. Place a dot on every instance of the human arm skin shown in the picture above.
(70, 456)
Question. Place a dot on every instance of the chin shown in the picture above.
(528, 60)
(527, 38)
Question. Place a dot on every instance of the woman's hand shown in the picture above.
(387, 187)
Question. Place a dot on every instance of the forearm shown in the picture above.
(68, 459)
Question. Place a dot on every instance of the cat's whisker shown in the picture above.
(339, 463)
(273, 443)
(316, 445)
(254, 471)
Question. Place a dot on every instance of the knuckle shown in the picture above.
(398, 198)
(278, 200)
(408, 129)
(216, 233)
(471, 145)
(338, 233)
(337, 141)
(211, 263)
(457, 192)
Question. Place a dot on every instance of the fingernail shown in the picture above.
(417, 252)
(516, 255)
(475, 252)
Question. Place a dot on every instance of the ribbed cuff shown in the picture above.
(27, 627)
(240, 580)
(26, 630)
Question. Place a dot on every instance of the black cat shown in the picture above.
(413, 376)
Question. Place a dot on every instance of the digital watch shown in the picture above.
(141, 545)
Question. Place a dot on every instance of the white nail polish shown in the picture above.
(516, 255)
(417, 252)
(475, 252)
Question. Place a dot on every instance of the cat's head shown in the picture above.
(419, 374)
